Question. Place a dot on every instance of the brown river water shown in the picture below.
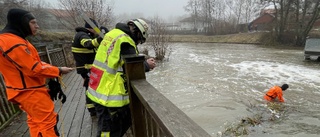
(221, 86)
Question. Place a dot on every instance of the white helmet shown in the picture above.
(142, 26)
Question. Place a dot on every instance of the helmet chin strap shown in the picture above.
(136, 35)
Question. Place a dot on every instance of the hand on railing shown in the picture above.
(152, 63)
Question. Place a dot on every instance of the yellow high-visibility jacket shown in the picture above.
(106, 86)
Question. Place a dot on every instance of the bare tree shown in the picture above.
(159, 40)
(305, 20)
(295, 16)
(220, 16)
(252, 10)
(5, 5)
(207, 11)
(100, 10)
(194, 7)
(238, 9)
(37, 8)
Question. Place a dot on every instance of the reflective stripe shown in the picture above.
(114, 42)
(105, 134)
(95, 42)
(108, 69)
(107, 98)
(83, 41)
(102, 89)
(90, 105)
(104, 65)
(81, 50)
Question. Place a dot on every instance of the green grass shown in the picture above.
(263, 38)
(245, 38)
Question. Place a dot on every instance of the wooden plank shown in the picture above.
(68, 79)
(12, 129)
(10, 112)
(66, 115)
(89, 125)
(138, 120)
(79, 114)
(24, 129)
(135, 70)
(26, 134)
(148, 123)
(64, 54)
(4, 115)
(5, 109)
(48, 55)
(94, 127)
(170, 118)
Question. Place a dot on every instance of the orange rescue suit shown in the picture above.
(25, 76)
(273, 93)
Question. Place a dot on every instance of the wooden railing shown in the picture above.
(7, 110)
(153, 115)
(57, 54)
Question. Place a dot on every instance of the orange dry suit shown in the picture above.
(273, 93)
(25, 75)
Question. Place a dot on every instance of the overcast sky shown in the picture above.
(149, 8)
(163, 8)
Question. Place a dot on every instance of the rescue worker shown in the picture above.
(276, 92)
(106, 87)
(25, 74)
(84, 46)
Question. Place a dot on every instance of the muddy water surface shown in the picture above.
(218, 85)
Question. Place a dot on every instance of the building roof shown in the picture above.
(265, 18)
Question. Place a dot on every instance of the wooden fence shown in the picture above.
(7, 110)
(57, 54)
(153, 114)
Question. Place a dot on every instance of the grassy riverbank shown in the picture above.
(245, 38)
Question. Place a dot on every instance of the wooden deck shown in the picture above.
(75, 120)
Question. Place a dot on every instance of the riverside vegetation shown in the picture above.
(245, 38)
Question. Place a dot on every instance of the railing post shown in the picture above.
(48, 55)
(7, 109)
(134, 67)
(64, 55)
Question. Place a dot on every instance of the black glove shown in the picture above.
(104, 30)
(99, 39)
(56, 91)
(92, 47)
(86, 83)
(63, 96)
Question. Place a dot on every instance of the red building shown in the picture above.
(264, 22)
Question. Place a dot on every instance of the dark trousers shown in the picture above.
(114, 120)
(89, 102)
